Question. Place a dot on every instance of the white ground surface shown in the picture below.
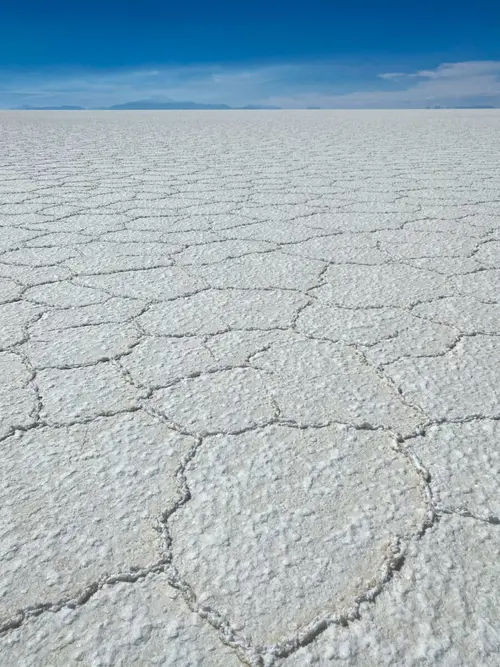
(249, 389)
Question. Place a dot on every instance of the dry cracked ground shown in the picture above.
(249, 372)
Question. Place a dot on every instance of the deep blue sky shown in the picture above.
(44, 41)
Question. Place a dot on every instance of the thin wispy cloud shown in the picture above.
(392, 75)
(449, 84)
(291, 85)
(202, 83)
(461, 70)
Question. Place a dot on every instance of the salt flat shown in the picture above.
(249, 371)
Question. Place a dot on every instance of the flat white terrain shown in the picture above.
(249, 389)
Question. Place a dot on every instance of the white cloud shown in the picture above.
(461, 70)
(391, 75)
(449, 84)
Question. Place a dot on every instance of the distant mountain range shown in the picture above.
(151, 105)
(472, 106)
(27, 107)
(256, 107)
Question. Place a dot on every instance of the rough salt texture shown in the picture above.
(248, 389)
(79, 503)
(145, 623)
(304, 530)
(442, 608)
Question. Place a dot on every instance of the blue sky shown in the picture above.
(357, 53)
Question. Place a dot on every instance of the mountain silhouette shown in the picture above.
(151, 104)
(64, 107)
(257, 107)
